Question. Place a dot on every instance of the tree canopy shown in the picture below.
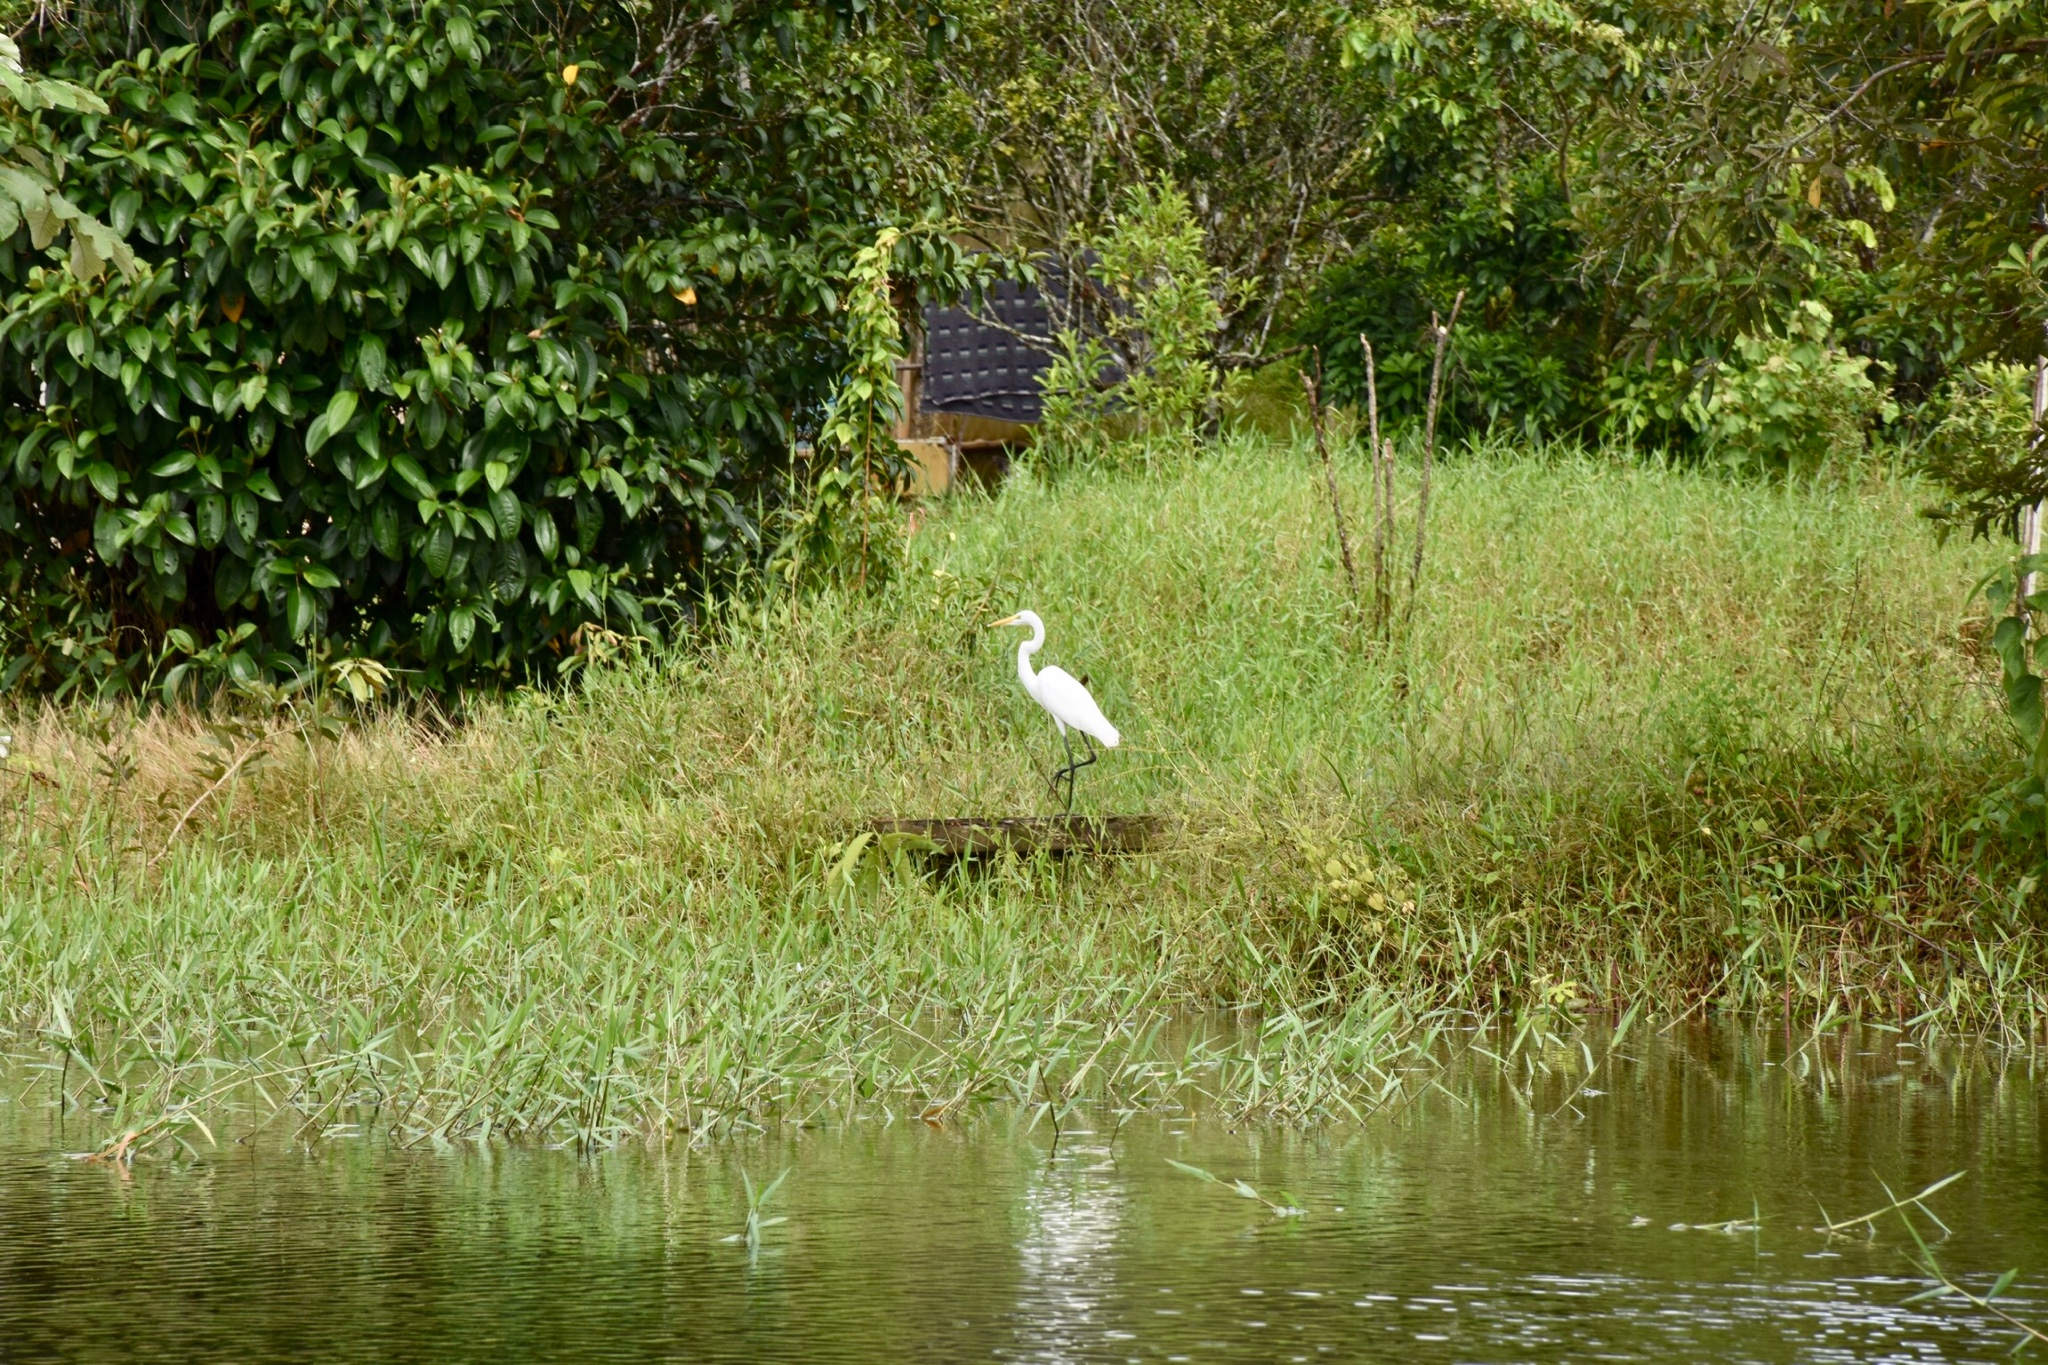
(444, 332)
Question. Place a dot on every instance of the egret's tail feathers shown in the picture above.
(1109, 737)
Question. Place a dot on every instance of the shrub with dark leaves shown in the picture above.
(452, 327)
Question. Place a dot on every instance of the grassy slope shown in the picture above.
(1656, 737)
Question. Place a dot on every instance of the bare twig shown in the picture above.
(1924, 59)
(1312, 383)
(249, 751)
(1442, 334)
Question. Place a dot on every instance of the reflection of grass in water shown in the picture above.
(1698, 742)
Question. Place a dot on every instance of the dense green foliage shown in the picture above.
(1626, 189)
(454, 330)
(1623, 189)
(1796, 402)
(27, 194)
(453, 327)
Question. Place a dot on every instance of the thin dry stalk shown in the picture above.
(1310, 383)
(249, 751)
(1442, 333)
(1382, 457)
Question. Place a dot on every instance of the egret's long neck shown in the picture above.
(1026, 674)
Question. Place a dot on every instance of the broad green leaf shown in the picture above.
(210, 519)
(545, 537)
(230, 581)
(439, 547)
(504, 506)
(415, 477)
(371, 362)
(384, 531)
(509, 580)
(333, 421)
(302, 610)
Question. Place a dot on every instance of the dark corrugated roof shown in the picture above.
(973, 367)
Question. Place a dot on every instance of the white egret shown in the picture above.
(1064, 699)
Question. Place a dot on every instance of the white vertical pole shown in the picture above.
(2030, 517)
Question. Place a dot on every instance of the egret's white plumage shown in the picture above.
(1058, 691)
(1065, 700)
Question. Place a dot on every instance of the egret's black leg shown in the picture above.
(1067, 742)
(1073, 767)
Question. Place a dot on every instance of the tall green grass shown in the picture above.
(1658, 738)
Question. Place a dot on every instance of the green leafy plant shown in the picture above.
(1152, 355)
(1981, 449)
(757, 1221)
(2020, 807)
(29, 170)
(845, 528)
(1796, 401)
(1352, 887)
(451, 328)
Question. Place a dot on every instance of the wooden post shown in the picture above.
(910, 369)
(1063, 835)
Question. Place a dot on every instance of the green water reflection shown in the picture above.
(1507, 1215)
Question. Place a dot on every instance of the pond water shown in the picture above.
(1516, 1210)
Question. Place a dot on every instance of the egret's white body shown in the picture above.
(1064, 699)
(1058, 691)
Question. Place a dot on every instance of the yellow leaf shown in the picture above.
(570, 72)
(686, 295)
(1813, 192)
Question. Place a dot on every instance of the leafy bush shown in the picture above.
(453, 327)
(1984, 450)
(1981, 448)
(1796, 401)
(1522, 359)
(1153, 352)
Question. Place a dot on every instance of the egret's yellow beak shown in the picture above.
(1006, 621)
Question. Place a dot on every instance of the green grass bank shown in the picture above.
(1658, 739)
